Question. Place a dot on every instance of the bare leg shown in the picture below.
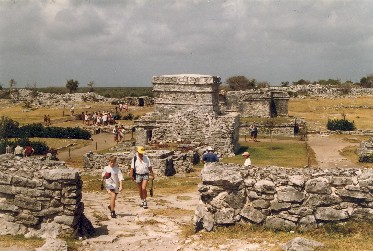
(113, 197)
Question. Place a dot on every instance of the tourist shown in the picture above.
(116, 133)
(125, 107)
(254, 132)
(121, 133)
(8, 149)
(140, 171)
(18, 151)
(48, 120)
(72, 110)
(113, 179)
(209, 156)
(247, 162)
(28, 151)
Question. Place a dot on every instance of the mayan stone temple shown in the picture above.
(186, 110)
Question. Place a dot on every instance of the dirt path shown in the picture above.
(102, 141)
(327, 149)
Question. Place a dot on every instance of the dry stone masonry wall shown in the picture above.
(186, 109)
(283, 198)
(35, 193)
(365, 151)
(181, 162)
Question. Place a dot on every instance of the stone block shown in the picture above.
(318, 185)
(330, 214)
(27, 203)
(65, 220)
(297, 180)
(252, 215)
(289, 194)
(279, 206)
(60, 174)
(225, 216)
(301, 211)
(276, 223)
(261, 204)
(5, 179)
(316, 200)
(27, 219)
(265, 186)
(342, 181)
(6, 189)
(354, 194)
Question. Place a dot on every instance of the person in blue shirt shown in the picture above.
(210, 156)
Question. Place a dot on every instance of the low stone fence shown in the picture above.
(365, 151)
(283, 198)
(35, 193)
(159, 159)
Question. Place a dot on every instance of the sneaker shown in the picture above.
(141, 204)
(113, 214)
(145, 205)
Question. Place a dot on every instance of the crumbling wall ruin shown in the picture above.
(186, 109)
(283, 198)
(365, 151)
(35, 193)
(181, 162)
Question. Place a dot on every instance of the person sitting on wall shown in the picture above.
(247, 162)
(210, 156)
(18, 151)
(28, 151)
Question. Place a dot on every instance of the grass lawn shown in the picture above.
(317, 111)
(289, 152)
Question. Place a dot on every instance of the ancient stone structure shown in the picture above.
(365, 151)
(257, 103)
(186, 109)
(160, 159)
(283, 198)
(37, 194)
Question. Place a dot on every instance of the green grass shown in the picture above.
(289, 153)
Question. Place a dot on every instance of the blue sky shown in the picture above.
(125, 43)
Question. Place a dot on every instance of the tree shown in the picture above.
(263, 84)
(285, 84)
(72, 85)
(90, 85)
(367, 81)
(237, 83)
(301, 82)
(12, 84)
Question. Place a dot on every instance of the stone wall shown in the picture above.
(283, 198)
(35, 193)
(186, 109)
(365, 151)
(257, 103)
(182, 162)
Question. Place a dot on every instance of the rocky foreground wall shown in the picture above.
(283, 198)
(40, 195)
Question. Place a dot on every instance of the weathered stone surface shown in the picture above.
(60, 174)
(330, 214)
(27, 203)
(220, 175)
(265, 186)
(289, 194)
(354, 194)
(307, 222)
(27, 219)
(53, 244)
(225, 216)
(261, 204)
(342, 181)
(302, 211)
(363, 214)
(5, 179)
(318, 185)
(297, 180)
(24, 182)
(277, 223)
(278, 206)
(316, 200)
(302, 244)
(66, 220)
(253, 215)
(6, 189)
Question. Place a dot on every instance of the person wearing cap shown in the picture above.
(210, 156)
(112, 177)
(141, 170)
(247, 162)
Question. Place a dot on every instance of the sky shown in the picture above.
(125, 43)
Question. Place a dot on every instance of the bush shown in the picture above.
(340, 124)
(366, 158)
(129, 116)
(40, 147)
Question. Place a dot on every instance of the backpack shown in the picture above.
(134, 167)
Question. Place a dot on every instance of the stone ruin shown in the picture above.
(283, 198)
(160, 159)
(365, 151)
(41, 197)
(186, 111)
(257, 103)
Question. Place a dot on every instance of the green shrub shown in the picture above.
(8, 128)
(366, 158)
(40, 147)
(340, 124)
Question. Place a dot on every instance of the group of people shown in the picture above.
(141, 171)
(19, 151)
(103, 118)
(122, 107)
(47, 120)
(119, 133)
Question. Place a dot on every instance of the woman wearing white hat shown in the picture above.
(247, 160)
